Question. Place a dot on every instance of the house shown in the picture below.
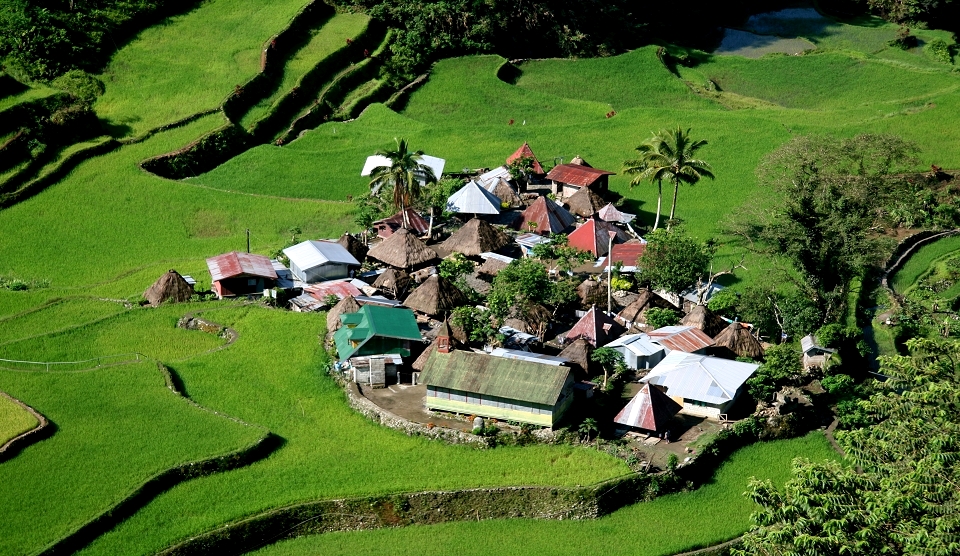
(596, 327)
(402, 250)
(635, 312)
(567, 179)
(375, 161)
(682, 338)
(626, 254)
(338, 288)
(239, 274)
(736, 341)
(375, 330)
(489, 180)
(547, 217)
(388, 226)
(473, 199)
(705, 386)
(593, 236)
(528, 241)
(475, 237)
(526, 152)
(703, 318)
(435, 296)
(650, 410)
(814, 355)
(497, 387)
(638, 350)
(314, 261)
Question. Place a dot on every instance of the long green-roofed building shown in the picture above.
(490, 386)
(376, 330)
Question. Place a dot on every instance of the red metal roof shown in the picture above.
(548, 215)
(626, 253)
(235, 264)
(593, 236)
(595, 327)
(387, 226)
(681, 338)
(341, 289)
(575, 174)
(650, 409)
(526, 151)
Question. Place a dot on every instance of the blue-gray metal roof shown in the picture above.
(640, 344)
(700, 377)
(313, 253)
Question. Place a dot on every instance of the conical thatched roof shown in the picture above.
(530, 319)
(353, 246)
(591, 292)
(169, 287)
(491, 267)
(737, 338)
(579, 161)
(647, 299)
(506, 193)
(346, 305)
(579, 352)
(435, 296)
(476, 237)
(585, 202)
(393, 281)
(402, 250)
(704, 319)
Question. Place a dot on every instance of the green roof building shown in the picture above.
(376, 330)
(498, 387)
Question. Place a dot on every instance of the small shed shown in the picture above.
(305, 303)
(567, 179)
(585, 202)
(314, 261)
(593, 236)
(595, 327)
(705, 386)
(814, 355)
(473, 199)
(402, 250)
(649, 410)
(493, 263)
(548, 217)
(736, 341)
(238, 274)
(170, 286)
(638, 350)
(437, 296)
(474, 238)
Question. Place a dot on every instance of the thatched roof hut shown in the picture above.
(346, 305)
(646, 300)
(533, 319)
(435, 296)
(402, 250)
(704, 319)
(507, 194)
(353, 246)
(491, 267)
(168, 287)
(592, 292)
(585, 202)
(579, 352)
(475, 237)
(393, 281)
(736, 337)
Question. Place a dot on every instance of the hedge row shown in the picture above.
(202, 155)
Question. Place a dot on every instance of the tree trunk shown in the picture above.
(673, 207)
(656, 222)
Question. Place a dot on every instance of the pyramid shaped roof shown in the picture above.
(475, 237)
(650, 409)
(610, 213)
(402, 250)
(387, 226)
(595, 327)
(585, 202)
(354, 246)
(169, 286)
(737, 338)
(435, 296)
(704, 319)
(593, 236)
(548, 215)
(526, 152)
(474, 199)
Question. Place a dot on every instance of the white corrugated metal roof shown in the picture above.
(489, 180)
(530, 239)
(700, 377)
(690, 294)
(473, 199)
(496, 256)
(529, 356)
(312, 253)
(639, 344)
(374, 161)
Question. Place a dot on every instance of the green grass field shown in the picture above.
(58, 314)
(922, 260)
(14, 420)
(711, 514)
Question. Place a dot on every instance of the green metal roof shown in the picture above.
(495, 376)
(371, 321)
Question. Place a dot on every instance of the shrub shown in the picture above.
(620, 283)
(939, 50)
(724, 302)
(658, 318)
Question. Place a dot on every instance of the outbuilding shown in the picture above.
(314, 261)
(375, 330)
(238, 274)
(639, 352)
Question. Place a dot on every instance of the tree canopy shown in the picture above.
(404, 175)
(673, 260)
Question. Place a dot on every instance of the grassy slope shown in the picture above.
(711, 514)
(56, 315)
(14, 420)
(922, 261)
(329, 451)
(190, 62)
(323, 42)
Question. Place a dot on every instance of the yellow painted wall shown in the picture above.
(545, 420)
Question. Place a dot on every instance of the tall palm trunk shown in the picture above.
(656, 222)
(673, 207)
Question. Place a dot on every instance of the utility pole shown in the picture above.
(609, 270)
(248, 240)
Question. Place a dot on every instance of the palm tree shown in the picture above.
(641, 169)
(588, 427)
(405, 174)
(669, 155)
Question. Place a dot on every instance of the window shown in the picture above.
(251, 281)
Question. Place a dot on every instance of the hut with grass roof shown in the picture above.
(585, 202)
(507, 194)
(531, 319)
(402, 250)
(171, 287)
(346, 305)
(395, 282)
(578, 352)
(353, 246)
(493, 264)
(475, 237)
(736, 341)
(435, 296)
(704, 319)
(635, 311)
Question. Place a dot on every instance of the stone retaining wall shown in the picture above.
(44, 429)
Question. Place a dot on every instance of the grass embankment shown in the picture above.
(323, 42)
(58, 314)
(274, 376)
(189, 63)
(14, 420)
(922, 261)
(116, 427)
(716, 512)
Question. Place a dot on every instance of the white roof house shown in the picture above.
(312, 261)
(489, 180)
(638, 350)
(706, 386)
(375, 161)
(474, 199)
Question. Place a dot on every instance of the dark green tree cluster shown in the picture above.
(673, 260)
(898, 493)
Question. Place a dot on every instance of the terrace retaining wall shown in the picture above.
(15, 445)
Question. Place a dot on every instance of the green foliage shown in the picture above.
(475, 323)
(81, 85)
(588, 427)
(14, 420)
(403, 176)
(673, 260)
(559, 250)
(19, 285)
(724, 302)
(658, 318)
(455, 266)
(832, 335)
(939, 50)
(623, 283)
(368, 209)
(435, 195)
(672, 461)
(902, 10)
(782, 362)
(519, 285)
(839, 385)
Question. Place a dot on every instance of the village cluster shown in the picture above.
(388, 308)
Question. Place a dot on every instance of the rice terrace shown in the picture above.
(410, 276)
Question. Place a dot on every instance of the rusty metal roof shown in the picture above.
(526, 151)
(548, 215)
(681, 338)
(514, 379)
(595, 327)
(626, 254)
(593, 236)
(650, 409)
(236, 264)
(575, 174)
(339, 288)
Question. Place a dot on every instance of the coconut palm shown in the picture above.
(669, 155)
(406, 173)
(641, 170)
